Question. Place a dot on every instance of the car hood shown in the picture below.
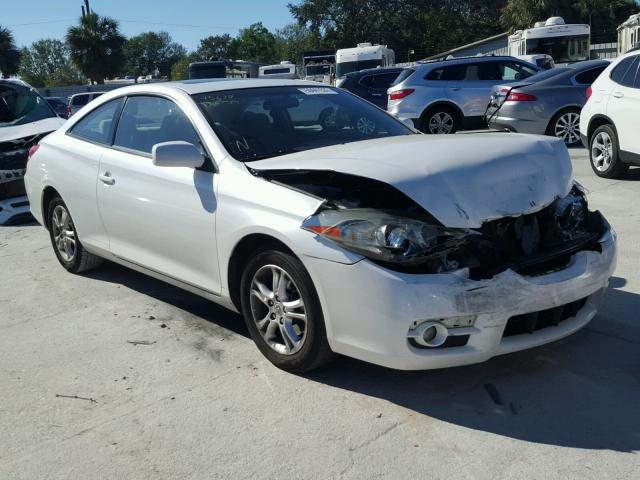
(34, 128)
(462, 180)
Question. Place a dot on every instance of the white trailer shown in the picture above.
(629, 34)
(286, 70)
(565, 43)
(365, 55)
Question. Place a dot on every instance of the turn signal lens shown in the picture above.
(520, 97)
(399, 94)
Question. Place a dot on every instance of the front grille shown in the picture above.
(534, 321)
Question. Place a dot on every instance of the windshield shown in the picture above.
(567, 49)
(266, 122)
(343, 68)
(324, 69)
(20, 105)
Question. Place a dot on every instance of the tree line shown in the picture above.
(95, 49)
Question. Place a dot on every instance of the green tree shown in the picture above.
(46, 63)
(217, 46)
(149, 51)
(256, 43)
(180, 68)
(9, 54)
(293, 39)
(97, 47)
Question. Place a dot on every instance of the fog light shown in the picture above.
(430, 334)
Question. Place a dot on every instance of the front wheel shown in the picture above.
(566, 126)
(604, 153)
(282, 312)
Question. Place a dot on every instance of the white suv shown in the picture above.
(609, 120)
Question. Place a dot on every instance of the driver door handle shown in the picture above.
(106, 178)
(618, 94)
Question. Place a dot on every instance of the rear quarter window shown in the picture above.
(619, 72)
(97, 125)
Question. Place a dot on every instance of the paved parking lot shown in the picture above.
(172, 387)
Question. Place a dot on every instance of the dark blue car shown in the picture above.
(371, 84)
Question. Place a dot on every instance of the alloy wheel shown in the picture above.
(64, 234)
(602, 151)
(441, 123)
(567, 128)
(278, 310)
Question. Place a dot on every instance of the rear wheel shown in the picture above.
(440, 120)
(566, 126)
(282, 312)
(604, 153)
(64, 238)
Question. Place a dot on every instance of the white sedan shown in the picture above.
(331, 226)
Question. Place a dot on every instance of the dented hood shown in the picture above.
(462, 180)
(16, 132)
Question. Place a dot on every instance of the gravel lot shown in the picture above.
(197, 400)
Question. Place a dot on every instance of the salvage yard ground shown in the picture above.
(116, 375)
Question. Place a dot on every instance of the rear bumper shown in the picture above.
(369, 310)
(518, 125)
(14, 209)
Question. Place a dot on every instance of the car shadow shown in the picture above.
(580, 392)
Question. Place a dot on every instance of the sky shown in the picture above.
(186, 20)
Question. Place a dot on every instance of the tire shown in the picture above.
(440, 120)
(566, 125)
(267, 314)
(65, 242)
(604, 153)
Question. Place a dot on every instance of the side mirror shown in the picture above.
(176, 154)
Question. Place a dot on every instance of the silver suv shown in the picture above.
(444, 96)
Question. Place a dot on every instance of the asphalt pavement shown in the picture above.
(116, 375)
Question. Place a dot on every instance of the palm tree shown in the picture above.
(97, 47)
(9, 54)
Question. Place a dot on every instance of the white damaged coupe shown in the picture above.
(331, 226)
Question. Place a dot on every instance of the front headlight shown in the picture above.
(388, 237)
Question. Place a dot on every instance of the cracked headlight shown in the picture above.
(389, 237)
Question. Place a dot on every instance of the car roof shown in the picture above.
(472, 59)
(368, 71)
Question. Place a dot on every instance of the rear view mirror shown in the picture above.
(177, 154)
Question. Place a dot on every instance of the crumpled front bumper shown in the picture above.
(369, 310)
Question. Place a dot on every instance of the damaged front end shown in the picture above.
(381, 223)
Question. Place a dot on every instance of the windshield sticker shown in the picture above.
(318, 91)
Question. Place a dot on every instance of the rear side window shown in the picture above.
(381, 80)
(589, 76)
(515, 71)
(79, 100)
(404, 74)
(97, 125)
(620, 71)
(630, 77)
(146, 121)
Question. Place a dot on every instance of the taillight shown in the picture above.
(68, 109)
(589, 92)
(33, 150)
(520, 97)
(399, 94)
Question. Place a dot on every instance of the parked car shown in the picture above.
(371, 84)
(444, 96)
(353, 235)
(79, 100)
(609, 120)
(547, 103)
(59, 105)
(25, 118)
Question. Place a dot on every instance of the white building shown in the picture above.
(629, 34)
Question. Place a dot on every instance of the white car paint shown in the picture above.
(34, 128)
(618, 103)
(182, 225)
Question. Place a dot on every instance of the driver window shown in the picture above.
(147, 120)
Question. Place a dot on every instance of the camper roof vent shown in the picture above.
(554, 21)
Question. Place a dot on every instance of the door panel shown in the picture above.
(624, 105)
(162, 218)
